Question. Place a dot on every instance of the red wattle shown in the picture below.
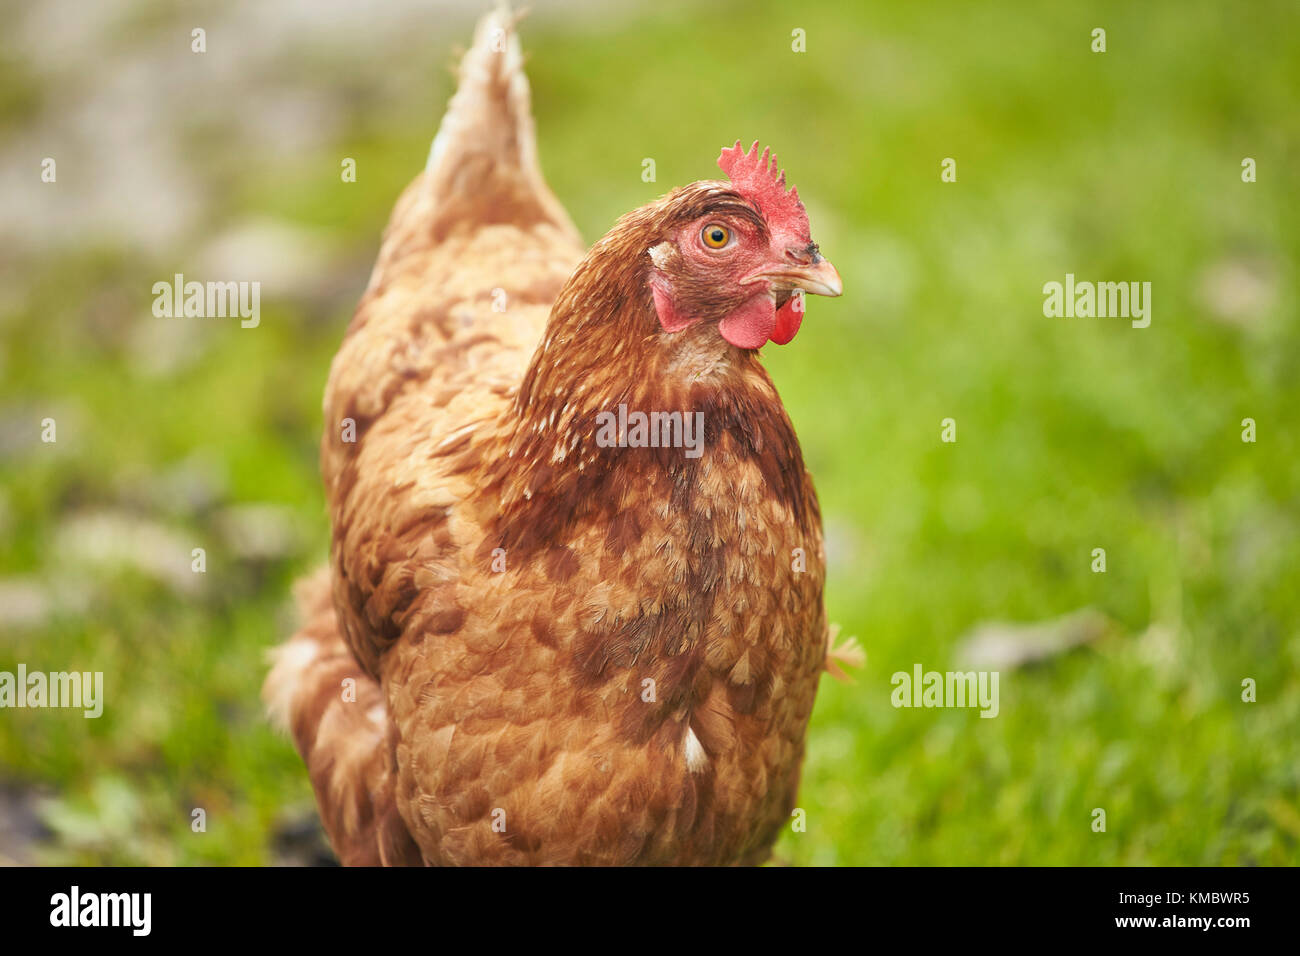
(752, 324)
(788, 318)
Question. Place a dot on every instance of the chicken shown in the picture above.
(549, 633)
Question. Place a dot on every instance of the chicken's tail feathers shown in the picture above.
(484, 157)
(335, 713)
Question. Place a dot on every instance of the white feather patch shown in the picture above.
(696, 758)
(659, 254)
(291, 661)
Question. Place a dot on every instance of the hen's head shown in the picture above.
(736, 255)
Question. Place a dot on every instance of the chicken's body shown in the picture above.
(561, 653)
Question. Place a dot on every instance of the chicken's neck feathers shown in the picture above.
(604, 355)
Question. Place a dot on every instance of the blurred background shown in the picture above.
(1119, 690)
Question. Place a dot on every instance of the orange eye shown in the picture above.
(715, 236)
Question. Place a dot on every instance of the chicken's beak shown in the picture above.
(817, 277)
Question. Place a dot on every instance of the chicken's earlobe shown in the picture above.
(669, 318)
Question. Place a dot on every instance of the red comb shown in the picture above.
(758, 178)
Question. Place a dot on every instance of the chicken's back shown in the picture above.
(473, 257)
(474, 254)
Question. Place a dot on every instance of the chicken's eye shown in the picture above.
(715, 236)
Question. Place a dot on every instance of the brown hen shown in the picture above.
(553, 630)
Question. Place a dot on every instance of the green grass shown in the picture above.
(1072, 433)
